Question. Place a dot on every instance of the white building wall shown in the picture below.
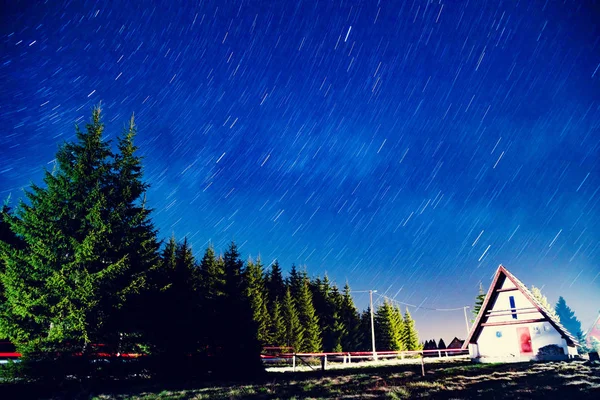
(501, 343)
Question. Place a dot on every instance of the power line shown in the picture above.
(425, 308)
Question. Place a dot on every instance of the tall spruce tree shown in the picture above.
(410, 336)
(311, 340)
(539, 296)
(365, 334)
(325, 310)
(294, 331)
(81, 260)
(295, 281)
(277, 331)
(387, 333)
(212, 293)
(568, 319)
(257, 296)
(478, 302)
(350, 318)
(240, 333)
(173, 330)
(275, 284)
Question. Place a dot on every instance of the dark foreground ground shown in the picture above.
(551, 380)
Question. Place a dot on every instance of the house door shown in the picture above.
(524, 341)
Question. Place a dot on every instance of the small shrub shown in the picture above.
(551, 350)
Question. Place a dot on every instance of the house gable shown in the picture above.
(594, 331)
(509, 302)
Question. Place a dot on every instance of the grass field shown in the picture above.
(463, 380)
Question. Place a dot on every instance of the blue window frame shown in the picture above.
(513, 307)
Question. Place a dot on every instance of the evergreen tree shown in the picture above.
(295, 281)
(239, 334)
(364, 333)
(294, 332)
(441, 345)
(212, 276)
(212, 293)
(398, 321)
(257, 295)
(173, 330)
(537, 294)
(410, 337)
(311, 340)
(567, 318)
(351, 320)
(478, 302)
(275, 283)
(277, 331)
(327, 311)
(387, 334)
(81, 263)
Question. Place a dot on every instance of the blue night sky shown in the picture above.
(405, 146)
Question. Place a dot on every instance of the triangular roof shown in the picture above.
(499, 278)
(594, 330)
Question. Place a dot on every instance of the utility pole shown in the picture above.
(372, 324)
(466, 319)
(372, 318)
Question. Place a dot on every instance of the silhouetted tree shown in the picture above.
(350, 318)
(257, 295)
(410, 336)
(568, 319)
(478, 302)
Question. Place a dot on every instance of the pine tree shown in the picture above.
(478, 302)
(325, 309)
(295, 281)
(398, 321)
(277, 331)
(365, 334)
(410, 336)
(351, 320)
(239, 335)
(537, 294)
(257, 295)
(387, 334)
(311, 341)
(294, 331)
(173, 301)
(568, 319)
(211, 295)
(212, 275)
(80, 265)
(441, 345)
(275, 283)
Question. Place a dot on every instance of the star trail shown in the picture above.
(405, 146)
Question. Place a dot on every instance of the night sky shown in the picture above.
(405, 146)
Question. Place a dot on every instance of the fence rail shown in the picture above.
(347, 357)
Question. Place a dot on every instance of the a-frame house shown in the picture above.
(513, 326)
(593, 333)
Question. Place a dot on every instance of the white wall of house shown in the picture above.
(501, 343)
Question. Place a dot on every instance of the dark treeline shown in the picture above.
(83, 272)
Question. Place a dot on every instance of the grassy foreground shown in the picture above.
(562, 380)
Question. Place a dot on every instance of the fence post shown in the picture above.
(422, 365)
(349, 358)
(323, 362)
(294, 362)
(439, 354)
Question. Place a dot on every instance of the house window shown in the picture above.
(512, 306)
